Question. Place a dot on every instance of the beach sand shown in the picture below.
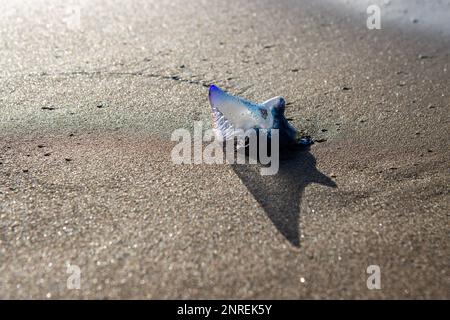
(91, 93)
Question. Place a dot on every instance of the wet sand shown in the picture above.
(86, 177)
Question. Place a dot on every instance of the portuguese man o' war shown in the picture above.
(232, 113)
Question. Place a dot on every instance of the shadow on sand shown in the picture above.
(281, 194)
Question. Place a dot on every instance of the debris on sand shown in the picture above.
(424, 56)
(102, 104)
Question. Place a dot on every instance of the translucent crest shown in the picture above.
(231, 114)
